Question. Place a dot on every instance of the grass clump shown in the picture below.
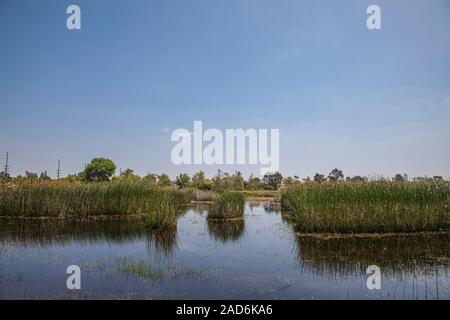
(201, 195)
(227, 205)
(257, 194)
(161, 206)
(139, 269)
(379, 206)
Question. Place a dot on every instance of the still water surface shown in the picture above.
(257, 258)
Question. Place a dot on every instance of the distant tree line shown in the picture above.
(103, 170)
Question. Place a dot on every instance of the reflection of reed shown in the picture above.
(287, 217)
(199, 208)
(253, 205)
(32, 232)
(224, 231)
(396, 255)
(270, 207)
(28, 232)
(162, 240)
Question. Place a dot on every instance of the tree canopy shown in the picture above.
(99, 169)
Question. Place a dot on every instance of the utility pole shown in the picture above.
(6, 165)
(58, 171)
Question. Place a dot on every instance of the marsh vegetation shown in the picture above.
(379, 206)
(325, 204)
(161, 206)
(227, 205)
(258, 257)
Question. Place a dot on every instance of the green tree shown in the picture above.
(128, 175)
(200, 181)
(75, 177)
(400, 178)
(356, 179)
(336, 175)
(237, 181)
(289, 181)
(31, 175)
(319, 177)
(182, 180)
(273, 180)
(254, 183)
(100, 169)
(4, 177)
(150, 178)
(217, 180)
(44, 176)
(164, 180)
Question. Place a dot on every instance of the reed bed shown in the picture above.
(161, 206)
(368, 207)
(227, 205)
(201, 195)
(260, 193)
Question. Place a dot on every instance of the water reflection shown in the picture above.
(46, 232)
(66, 232)
(266, 260)
(161, 241)
(396, 255)
(226, 231)
(267, 205)
(199, 208)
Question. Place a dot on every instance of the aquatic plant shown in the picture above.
(161, 241)
(256, 194)
(379, 206)
(50, 199)
(139, 269)
(201, 195)
(227, 205)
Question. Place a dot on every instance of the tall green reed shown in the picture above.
(227, 205)
(368, 207)
(160, 205)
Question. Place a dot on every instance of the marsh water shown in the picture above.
(256, 258)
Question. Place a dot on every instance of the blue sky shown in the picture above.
(368, 102)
